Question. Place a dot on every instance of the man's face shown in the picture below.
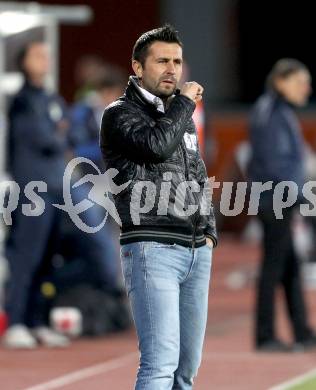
(296, 88)
(37, 61)
(162, 69)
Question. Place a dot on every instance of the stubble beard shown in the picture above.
(165, 94)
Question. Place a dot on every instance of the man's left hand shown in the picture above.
(209, 242)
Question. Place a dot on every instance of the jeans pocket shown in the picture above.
(127, 268)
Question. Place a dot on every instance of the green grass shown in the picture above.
(309, 384)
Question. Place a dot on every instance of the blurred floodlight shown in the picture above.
(11, 82)
(16, 22)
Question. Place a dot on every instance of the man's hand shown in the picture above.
(192, 90)
(209, 242)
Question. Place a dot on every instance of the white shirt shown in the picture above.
(153, 99)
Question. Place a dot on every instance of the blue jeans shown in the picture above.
(168, 289)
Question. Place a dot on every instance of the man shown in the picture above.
(37, 145)
(277, 155)
(148, 135)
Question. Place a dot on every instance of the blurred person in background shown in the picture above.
(278, 155)
(86, 117)
(88, 70)
(37, 144)
(148, 135)
(85, 272)
(86, 114)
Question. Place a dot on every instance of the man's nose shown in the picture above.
(171, 68)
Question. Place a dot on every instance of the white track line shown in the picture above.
(85, 373)
(295, 381)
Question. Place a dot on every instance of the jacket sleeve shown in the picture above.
(210, 229)
(126, 130)
(26, 124)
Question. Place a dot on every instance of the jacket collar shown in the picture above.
(28, 85)
(279, 99)
(142, 96)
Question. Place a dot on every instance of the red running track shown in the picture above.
(229, 361)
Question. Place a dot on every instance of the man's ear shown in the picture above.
(137, 68)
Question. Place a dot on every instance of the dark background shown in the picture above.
(261, 32)
(111, 34)
(270, 30)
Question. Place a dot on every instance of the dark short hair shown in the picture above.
(282, 69)
(23, 53)
(166, 33)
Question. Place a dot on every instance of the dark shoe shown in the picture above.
(307, 344)
(273, 346)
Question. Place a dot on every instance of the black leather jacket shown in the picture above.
(144, 144)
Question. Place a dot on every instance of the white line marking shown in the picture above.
(85, 373)
(295, 381)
